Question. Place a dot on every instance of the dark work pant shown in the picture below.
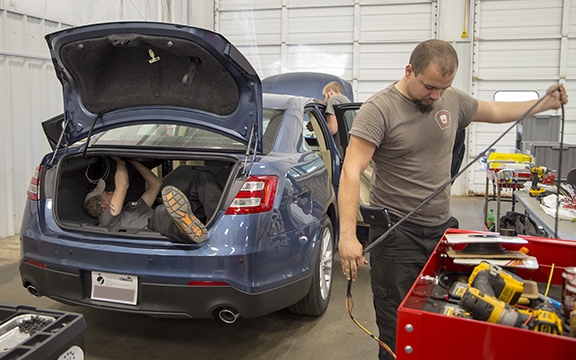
(162, 222)
(394, 266)
(204, 194)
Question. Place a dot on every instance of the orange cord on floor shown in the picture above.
(349, 306)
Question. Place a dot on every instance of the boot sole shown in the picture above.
(178, 208)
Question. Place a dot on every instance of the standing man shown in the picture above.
(407, 130)
(333, 95)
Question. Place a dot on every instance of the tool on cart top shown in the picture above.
(491, 295)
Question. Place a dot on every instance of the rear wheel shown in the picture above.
(316, 302)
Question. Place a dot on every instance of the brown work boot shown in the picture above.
(178, 207)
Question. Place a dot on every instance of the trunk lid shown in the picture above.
(116, 74)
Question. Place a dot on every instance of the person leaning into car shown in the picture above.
(174, 218)
(407, 130)
(333, 95)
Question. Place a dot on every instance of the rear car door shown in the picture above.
(345, 114)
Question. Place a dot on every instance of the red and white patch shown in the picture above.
(443, 119)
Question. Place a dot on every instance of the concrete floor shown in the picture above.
(281, 335)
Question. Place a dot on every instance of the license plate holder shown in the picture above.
(118, 288)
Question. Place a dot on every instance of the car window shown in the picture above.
(309, 132)
(349, 116)
(307, 126)
(167, 135)
(271, 120)
(345, 113)
(186, 137)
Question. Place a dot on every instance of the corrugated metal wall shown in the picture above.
(29, 94)
(29, 90)
(366, 42)
(521, 45)
(511, 45)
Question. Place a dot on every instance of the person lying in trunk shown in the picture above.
(173, 219)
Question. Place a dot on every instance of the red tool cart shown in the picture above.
(424, 332)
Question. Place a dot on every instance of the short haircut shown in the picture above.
(437, 52)
(334, 86)
(93, 201)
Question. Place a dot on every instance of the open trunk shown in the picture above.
(75, 175)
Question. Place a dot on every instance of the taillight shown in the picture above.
(255, 196)
(33, 193)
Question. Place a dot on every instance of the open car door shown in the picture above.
(345, 114)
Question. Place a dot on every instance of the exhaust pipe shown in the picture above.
(32, 290)
(228, 315)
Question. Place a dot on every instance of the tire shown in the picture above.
(316, 301)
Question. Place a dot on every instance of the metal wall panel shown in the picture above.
(333, 58)
(518, 19)
(395, 22)
(252, 26)
(367, 42)
(30, 93)
(336, 25)
(235, 5)
(91, 11)
(29, 90)
(518, 45)
(528, 60)
(266, 58)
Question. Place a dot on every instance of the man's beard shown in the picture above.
(424, 108)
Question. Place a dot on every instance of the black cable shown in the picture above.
(559, 175)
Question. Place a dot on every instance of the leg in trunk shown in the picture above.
(204, 194)
(175, 220)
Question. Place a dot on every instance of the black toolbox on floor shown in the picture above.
(30, 333)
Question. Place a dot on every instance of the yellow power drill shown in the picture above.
(485, 307)
(490, 293)
(546, 320)
(493, 280)
(538, 173)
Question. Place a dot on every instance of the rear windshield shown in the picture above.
(180, 136)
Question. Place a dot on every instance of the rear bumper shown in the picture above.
(163, 300)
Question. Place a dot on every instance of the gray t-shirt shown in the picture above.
(413, 150)
(335, 100)
(134, 215)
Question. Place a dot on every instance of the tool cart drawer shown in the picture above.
(35, 334)
(424, 332)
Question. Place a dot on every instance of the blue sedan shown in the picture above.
(180, 100)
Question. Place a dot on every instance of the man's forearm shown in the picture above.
(502, 112)
(332, 123)
(348, 194)
(121, 176)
